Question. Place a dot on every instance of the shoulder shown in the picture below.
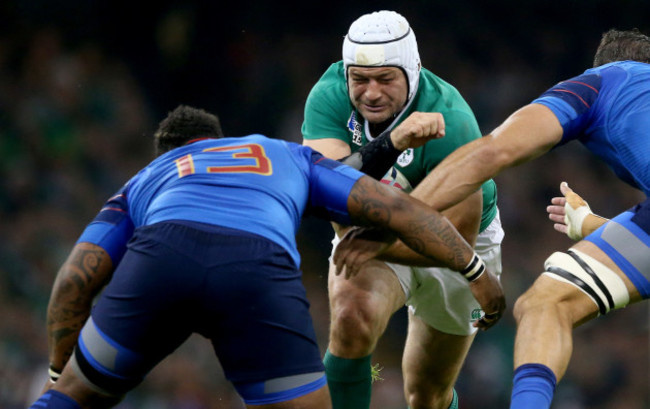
(436, 94)
(432, 81)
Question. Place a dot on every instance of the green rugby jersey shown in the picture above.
(330, 114)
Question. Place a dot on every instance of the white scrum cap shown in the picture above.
(383, 38)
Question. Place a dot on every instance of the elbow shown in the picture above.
(494, 156)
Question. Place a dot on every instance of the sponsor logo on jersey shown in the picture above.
(405, 158)
(477, 314)
(355, 127)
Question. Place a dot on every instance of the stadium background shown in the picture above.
(83, 85)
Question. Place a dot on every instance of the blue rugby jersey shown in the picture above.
(607, 108)
(253, 183)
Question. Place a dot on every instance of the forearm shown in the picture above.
(460, 174)
(400, 253)
(82, 276)
(419, 227)
(465, 217)
(591, 223)
(527, 134)
(433, 236)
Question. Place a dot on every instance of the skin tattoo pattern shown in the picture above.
(70, 311)
(371, 209)
(454, 256)
(367, 197)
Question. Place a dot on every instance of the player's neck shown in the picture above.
(378, 128)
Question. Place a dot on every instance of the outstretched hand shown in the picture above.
(568, 212)
(418, 129)
(488, 292)
(358, 245)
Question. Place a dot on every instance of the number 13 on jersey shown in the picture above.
(254, 155)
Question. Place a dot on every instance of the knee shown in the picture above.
(537, 302)
(525, 303)
(356, 323)
(353, 317)
(432, 398)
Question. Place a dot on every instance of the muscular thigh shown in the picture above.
(432, 359)
(376, 287)
(594, 251)
(547, 291)
(623, 244)
(609, 269)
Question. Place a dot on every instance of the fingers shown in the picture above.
(555, 210)
(346, 262)
(336, 258)
(561, 227)
(564, 188)
(571, 197)
(343, 266)
(488, 292)
(559, 201)
(350, 267)
(419, 128)
(339, 258)
(438, 126)
(557, 214)
(488, 320)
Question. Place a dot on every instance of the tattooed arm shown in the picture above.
(82, 276)
(420, 227)
(464, 216)
(424, 230)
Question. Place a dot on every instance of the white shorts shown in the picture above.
(441, 297)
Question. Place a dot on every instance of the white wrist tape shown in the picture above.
(573, 218)
(474, 269)
(54, 374)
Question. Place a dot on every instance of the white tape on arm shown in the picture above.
(474, 269)
(54, 374)
(574, 218)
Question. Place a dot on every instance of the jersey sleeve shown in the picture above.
(112, 228)
(327, 108)
(572, 101)
(330, 184)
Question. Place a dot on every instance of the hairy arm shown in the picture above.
(527, 134)
(80, 278)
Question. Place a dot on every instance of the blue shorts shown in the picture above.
(626, 240)
(240, 290)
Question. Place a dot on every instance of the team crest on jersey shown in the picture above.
(355, 127)
(405, 158)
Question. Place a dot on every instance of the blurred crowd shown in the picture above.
(77, 113)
